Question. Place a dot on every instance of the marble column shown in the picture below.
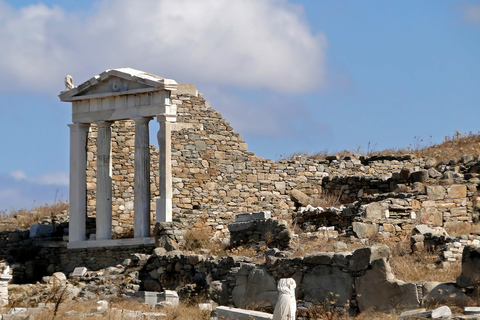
(164, 203)
(142, 179)
(104, 181)
(78, 181)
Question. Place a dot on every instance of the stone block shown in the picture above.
(240, 226)
(150, 298)
(442, 312)
(471, 310)
(435, 192)
(458, 211)
(375, 211)
(420, 176)
(379, 290)
(300, 197)
(364, 230)
(435, 293)
(470, 275)
(41, 230)
(323, 258)
(79, 272)
(254, 287)
(241, 314)
(431, 216)
(262, 215)
(327, 284)
(457, 191)
(361, 258)
(243, 217)
(169, 296)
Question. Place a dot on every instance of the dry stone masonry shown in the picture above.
(215, 177)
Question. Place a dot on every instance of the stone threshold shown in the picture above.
(110, 243)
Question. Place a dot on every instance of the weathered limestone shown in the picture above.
(470, 267)
(328, 283)
(164, 203)
(435, 293)
(254, 288)
(379, 290)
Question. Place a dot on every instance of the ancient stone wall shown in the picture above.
(216, 177)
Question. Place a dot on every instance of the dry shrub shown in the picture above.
(22, 219)
(256, 254)
(182, 312)
(306, 245)
(186, 312)
(421, 266)
(327, 199)
(196, 239)
(326, 312)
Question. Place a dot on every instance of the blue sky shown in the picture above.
(290, 76)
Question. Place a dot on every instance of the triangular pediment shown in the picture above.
(116, 82)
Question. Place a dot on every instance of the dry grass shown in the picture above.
(326, 200)
(454, 146)
(458, 229)
(22, 219)
(421, 266)
(80, 308)
(196, 239)
(324, 312)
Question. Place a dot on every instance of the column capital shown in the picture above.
(79, 126)
(165, 117)
(104, 123)
(142, 119)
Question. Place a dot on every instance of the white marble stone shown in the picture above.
(79, 272)
(113, 95)
(4, 279)
(169, 296)
(242, 314)
(142, 179)
(286, 306)
(104, 181)
(78, 183)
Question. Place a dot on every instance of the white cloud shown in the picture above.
(51, 178)
(16, 194)
(471, 13)
(18, 175)
(249, 43)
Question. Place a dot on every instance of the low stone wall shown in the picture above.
(257, 229)
(359, 280)
(32, 259)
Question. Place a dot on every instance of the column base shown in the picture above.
(163, 210)
(111, 243)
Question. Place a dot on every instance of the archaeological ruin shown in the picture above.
(186, 216)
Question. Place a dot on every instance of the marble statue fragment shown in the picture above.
(68, 82)
(286, 306)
